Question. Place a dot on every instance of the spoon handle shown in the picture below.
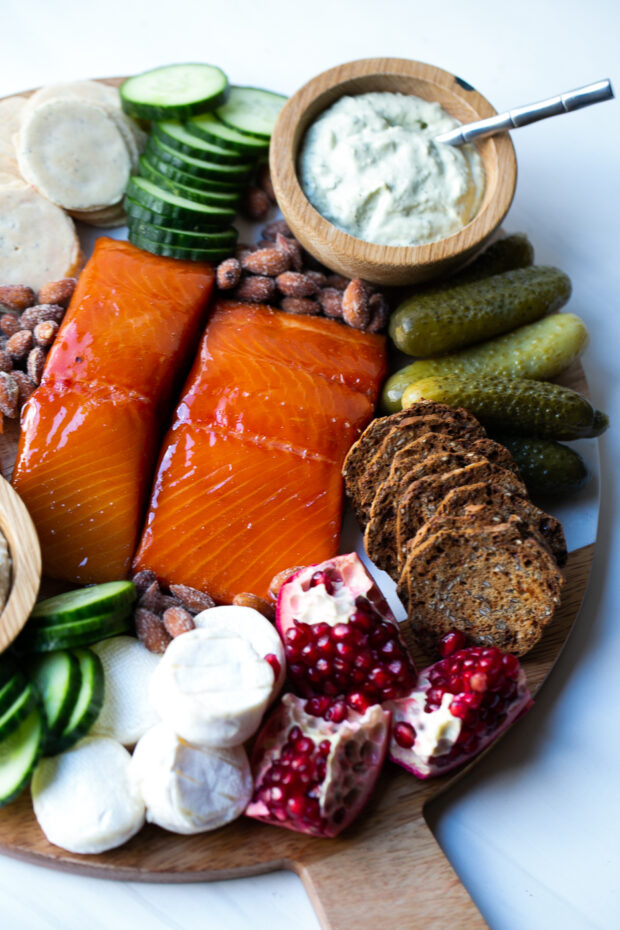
(530, 113)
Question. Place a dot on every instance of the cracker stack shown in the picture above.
(447, 515)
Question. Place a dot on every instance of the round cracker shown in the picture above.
(73, 153)
(38, 241)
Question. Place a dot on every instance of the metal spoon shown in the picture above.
(530, 113)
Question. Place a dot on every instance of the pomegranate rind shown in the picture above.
(442, 759)
(355, 577)
(358, 749)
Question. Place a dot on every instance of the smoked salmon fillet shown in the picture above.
(249, 482)
(91, 431)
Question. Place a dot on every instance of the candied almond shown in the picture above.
(144, 579)
(330, 300)
(151, 598)
(40, 313)
(57, 292)
(35, 363)
(270, 262)
(228, 273)
(177, 620)
(9, 395)
(45, 333)
(16, 296)
(338, 281)
(151, 631)
(355, 309)
(191, 598)
(265, 183)
(296, 284)
(246, 599)
(24, 385)
(292, 248)
(9, 324)
(318, 277)
(6, 362)
(255, 204)
(278, 580)
(19, 344)
(301, 306)
(379, 313)
(257, 288)
(271, 230)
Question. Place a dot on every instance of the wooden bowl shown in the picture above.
(18, 528)
(381, 264)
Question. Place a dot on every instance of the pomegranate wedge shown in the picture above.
(459, 705)
(313, 775)
(340, 636)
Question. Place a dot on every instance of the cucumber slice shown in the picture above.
(177, 174)
(19, 754)
(175, 135)
(11, 690)
(75, 633)
(57, 677)
(174, 91)
(89, 700)
(199, 167)
(251, 110)
(136, 211)
(173, 206)
(83, 603)
(18, 711)
(183, 252)
(225, 238)
(209, 127)
(199, 194)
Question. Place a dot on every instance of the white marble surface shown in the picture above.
(534, 830)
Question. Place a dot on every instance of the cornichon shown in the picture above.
(437, 322)
(546, 466)
(515, 405)
(540, 350)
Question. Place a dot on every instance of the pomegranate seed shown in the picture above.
(459, 709)
(341, 632)
(362, 620)
(304, 745)
(309, 654)
(325, 747)
(404, 734)
(452, 641)
(510, 665)
(325, 646)
(337, 712)
(358, 702)
(455, 684)
(323, 667)
(478, 682)
(317, 706)
(273, 661)
(363, 661)
(379, 677)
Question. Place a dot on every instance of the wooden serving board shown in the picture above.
(410, 885)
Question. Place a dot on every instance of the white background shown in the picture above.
(535, 832)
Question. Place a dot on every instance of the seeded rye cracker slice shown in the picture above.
(365, 447)
(421, 499)
(378, 467)
(496, 505)
(409, 464)
(497, 587)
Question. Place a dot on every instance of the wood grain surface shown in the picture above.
(386, 870)
(383, 264)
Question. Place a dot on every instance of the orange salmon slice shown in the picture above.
(227, 512)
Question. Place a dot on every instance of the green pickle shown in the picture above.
(546, 466)
(515, 405)
(539, 350)
(438, 321)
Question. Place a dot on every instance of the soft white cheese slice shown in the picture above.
(84, 799)
(189, 789)
(127, 712)
(212, 687)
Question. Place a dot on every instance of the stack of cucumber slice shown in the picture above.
(205, 143)
(52, 701)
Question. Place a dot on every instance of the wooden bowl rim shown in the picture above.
(17, 526)
(292, 199)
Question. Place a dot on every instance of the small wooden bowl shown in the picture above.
(18, 528)
(381, 264)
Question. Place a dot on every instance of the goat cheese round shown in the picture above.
(371, 166)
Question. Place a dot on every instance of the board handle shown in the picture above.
(397, 880)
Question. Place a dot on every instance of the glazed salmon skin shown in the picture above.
(90, 432)
(248, 482)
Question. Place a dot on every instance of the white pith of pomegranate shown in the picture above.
(313, 775)
(459, 705)
(340, 637)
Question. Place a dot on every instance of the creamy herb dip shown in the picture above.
(370, 165)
